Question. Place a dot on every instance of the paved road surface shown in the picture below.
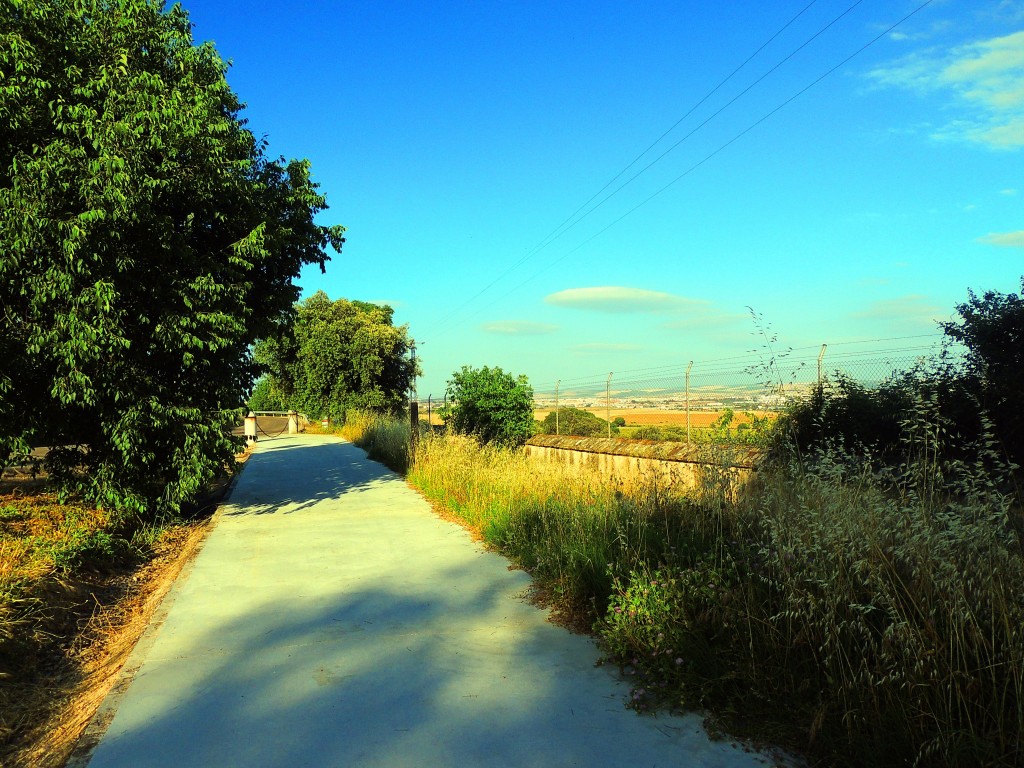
(331, 619)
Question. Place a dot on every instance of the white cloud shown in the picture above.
(622, 300)
(1008, 192)
(985, 79)
(914, 308)
(1005, 239)
(518, 328)
(600, 347)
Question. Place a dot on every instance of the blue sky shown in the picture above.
(453, 139)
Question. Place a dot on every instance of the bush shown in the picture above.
(992, 329)
(647, 433)
(575, 421)
(493, 406)
(868, 620)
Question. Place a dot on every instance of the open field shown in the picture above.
(639, 417)
(643, 417)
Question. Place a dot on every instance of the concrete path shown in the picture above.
(331, 619)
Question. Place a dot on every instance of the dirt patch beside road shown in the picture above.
(95, 619)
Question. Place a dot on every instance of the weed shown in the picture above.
(882, 608)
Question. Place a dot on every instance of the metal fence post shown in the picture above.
(688, 401)
(608, 402)
(414, 426)
(821, 355)
(557, 383)
(430, 421)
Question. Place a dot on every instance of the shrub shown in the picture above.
(576, 421)
(647, 432)
(991, 327)
(869, 618)
(493, 406)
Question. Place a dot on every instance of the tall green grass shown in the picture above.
(870, 619)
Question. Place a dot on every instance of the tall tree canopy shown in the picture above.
(340, 355)
(146, 242)
(991, 327)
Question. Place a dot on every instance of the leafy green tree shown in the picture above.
(338, 356)
(265, 397)
(146, 242)
(578, 422)
(494, 406)
(991, 327)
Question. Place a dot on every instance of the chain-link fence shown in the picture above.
(745, 383)
(756, 383)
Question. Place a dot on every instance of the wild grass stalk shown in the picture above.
(871, 619)
(384, 438)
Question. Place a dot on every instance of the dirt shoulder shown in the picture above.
(99, 617)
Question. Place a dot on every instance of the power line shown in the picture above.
(707, 120)
(721, 365)
(548, 239)
(696, 165)
(723, 147)
(555, 234)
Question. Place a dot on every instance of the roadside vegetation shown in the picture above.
(76, 589)
(863, 619)
(384, 438)
(861, 603)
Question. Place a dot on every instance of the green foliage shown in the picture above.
(976, 399)
(575, 421)
(145, 242)
(339, 356)
(991, 327)
(845, 414)
(265, 397)
(491, 405)
(618, 421)
(667, 626)
(867, 618)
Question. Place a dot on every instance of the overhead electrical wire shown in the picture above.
(722, 147)
(554, 234)
(720, 366)
(443, 326)
(707, 120)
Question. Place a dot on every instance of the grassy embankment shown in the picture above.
(58, 562)
(77, 587)
(867, 621)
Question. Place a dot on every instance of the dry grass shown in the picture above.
(869, 621)
(55, 708)
(77, 589)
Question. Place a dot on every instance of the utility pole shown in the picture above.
(688, 401)
(414, 407)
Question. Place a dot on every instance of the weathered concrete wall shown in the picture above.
(630, 462)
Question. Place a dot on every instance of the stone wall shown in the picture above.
(730, 468)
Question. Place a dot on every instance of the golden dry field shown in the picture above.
(656, 417)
